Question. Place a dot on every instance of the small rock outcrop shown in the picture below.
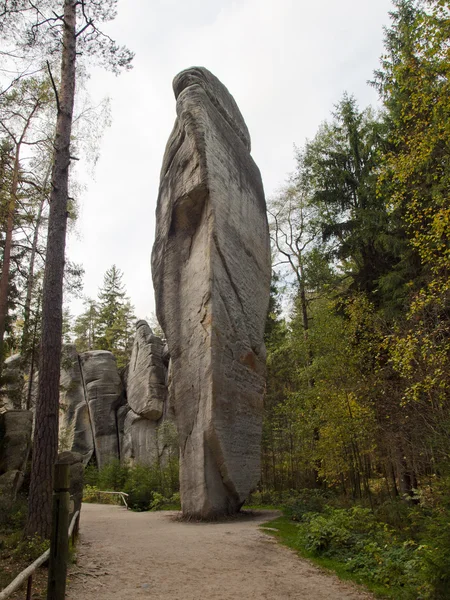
(104, 394)
(211, 274)
(75, 430)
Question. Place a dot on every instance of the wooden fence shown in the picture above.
(123, 495)
(57, 554)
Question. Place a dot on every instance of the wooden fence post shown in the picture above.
(59, 541)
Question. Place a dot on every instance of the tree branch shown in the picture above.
(54, 87)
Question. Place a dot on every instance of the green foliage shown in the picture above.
(414, 83)
(12, 543)
(340, 165)
(113, 476)
(358, 388)
(91, 475)
(30, 549)
(305, 501)
(148, 487)
(141, 484)
(12, 514)
(115, 316)
(96, 496)
(86, 327)
(400, 550)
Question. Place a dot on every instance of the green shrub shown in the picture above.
(91, 475)
(175, 498)
(142, 481)
(366, 547)
(272, 498)
(29, 549)
(148, 487)
(306, 501)
(435, 538)
(113, 476)
(158, 501)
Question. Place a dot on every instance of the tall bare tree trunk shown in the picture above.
(30, 281)
(45, 446)
(4, 280)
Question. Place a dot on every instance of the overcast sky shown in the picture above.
(286, 62)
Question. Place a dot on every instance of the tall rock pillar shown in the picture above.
(211, 273)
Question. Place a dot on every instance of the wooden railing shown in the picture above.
(57, 553)
(27, 574)
(121, 494)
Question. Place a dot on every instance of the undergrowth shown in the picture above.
(17, 552)
(148, 487)
(398, 550)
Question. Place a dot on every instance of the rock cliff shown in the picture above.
(114, 415)
(211, 274)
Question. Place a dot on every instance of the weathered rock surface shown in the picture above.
(211, 273)
(147, 442)
(121, 416)
(146, 380)
(104, 394)
(15, 439)
(75, 430)
(10, 484)
(13, 383)
(140, 443)
(15, 444)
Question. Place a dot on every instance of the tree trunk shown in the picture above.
(32, 363)
(45, 447)
(30, 281)
(4, 281)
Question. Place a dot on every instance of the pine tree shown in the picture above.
(108, 322)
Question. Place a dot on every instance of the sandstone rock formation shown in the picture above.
(146, 385)
(104, 394)
(211, 273)
(75, 430)
(15, 443)
(146, 398)
(13, 384)
(114, 415)
(140, 443)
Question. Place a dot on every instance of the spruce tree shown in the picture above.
(115, 317)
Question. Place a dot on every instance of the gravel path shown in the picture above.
(123, 555)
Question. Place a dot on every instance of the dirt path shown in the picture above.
(124, 555)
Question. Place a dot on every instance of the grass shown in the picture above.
(287, 534)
